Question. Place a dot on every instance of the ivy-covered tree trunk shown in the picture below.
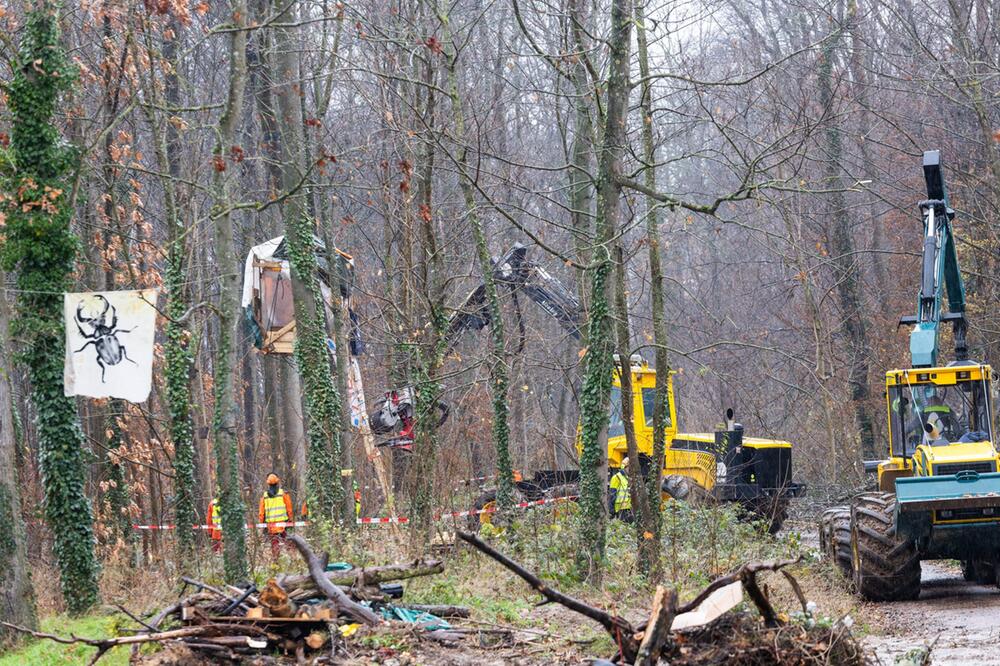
(654, 475)
(41, 247)
(17, 597)
(224, 418)
(320, 399)
(598, 362)
(499, 372)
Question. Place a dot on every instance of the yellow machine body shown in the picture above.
(686, 454)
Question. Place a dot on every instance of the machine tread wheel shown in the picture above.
(485, 499)
(558, 509)
(773, 512)
(886, 566)
(835, 537)
(683, 489)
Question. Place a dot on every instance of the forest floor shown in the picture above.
(956, 622)
(958, 618)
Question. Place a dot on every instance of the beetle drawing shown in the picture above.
(104, 336)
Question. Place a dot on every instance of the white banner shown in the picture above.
(109, 344)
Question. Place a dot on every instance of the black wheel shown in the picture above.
(886, 566)
(563, 507)
(684, 489)
(487, 500)
(979, 571)
(835, 537)
(774, 512)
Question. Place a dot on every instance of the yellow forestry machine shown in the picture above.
(938, 490)
(723, 466)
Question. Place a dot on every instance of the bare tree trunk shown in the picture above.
(498, 369)
(653, 524)
(844, 260)
(647, 548)
(226, 417)
(17, 596)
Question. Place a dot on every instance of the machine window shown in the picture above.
(648, 400)
(957, 413)
(616, 427)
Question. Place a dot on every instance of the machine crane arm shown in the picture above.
(514, 272)
(939, 272)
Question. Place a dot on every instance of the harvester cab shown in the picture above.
(938, 491)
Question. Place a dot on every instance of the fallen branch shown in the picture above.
(745, 572)
(371, 576)
(622, 633)
(658, 627)
(343, 603)
(105, 644)
(205, 586)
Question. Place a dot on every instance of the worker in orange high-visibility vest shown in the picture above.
(275, 510)
(214, 524)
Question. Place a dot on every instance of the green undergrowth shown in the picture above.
(49, 653)
(699, 544)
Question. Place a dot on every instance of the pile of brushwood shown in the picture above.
(318, 618)
(293, 616)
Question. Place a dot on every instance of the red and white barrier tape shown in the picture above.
(300, 523)
(401, 520)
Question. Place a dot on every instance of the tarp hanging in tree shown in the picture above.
(109, 344)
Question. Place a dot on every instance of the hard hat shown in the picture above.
(272, 479)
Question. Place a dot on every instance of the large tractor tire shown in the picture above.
(979, 571)
(773, 512)
(487, 500)
(684, 489)
(886, 566)
(564, 507)
(835, 537)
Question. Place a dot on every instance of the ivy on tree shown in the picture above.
(324, 492)
(41, 247)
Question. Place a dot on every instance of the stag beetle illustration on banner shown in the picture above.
(103, 335)
(109, 344)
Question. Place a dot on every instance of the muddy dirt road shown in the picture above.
(961, 619)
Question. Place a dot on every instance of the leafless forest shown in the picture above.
(766, 152)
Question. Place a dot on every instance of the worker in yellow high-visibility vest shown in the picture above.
(620, 498)
(214, 523)
(276, 511)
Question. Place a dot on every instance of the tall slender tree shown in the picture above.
(320, 398)
(17, 597)
(224, 419)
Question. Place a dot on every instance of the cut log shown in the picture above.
(316, 640)
(343, 603)
(658, 627)
(276, 600)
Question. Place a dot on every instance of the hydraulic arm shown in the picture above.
(939, 271)
(514, 273)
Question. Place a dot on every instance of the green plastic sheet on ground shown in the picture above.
(425, 620)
